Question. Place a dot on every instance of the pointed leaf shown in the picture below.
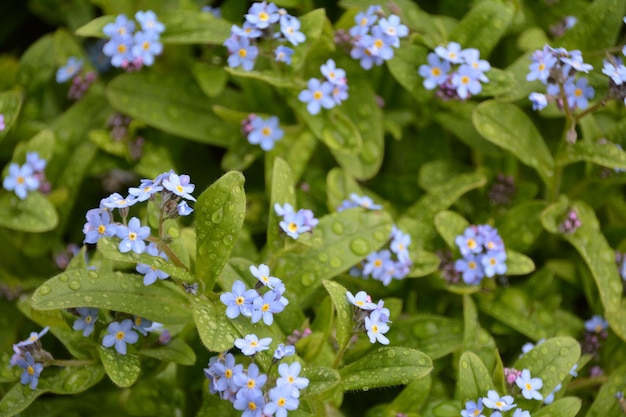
(343, 311)
(385, 367)
(282, 192)
(175, 351)
(518, 263)
(474, 378)
(604, 154)
(508, 127)
(216, 330)
(35, 214)
(450, 225)
(122, 369)
(219, 218)
(162, 301)
(273, 78)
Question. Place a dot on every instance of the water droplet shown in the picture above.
(338, 228)
(336, 262)
(93, 274)
(173, 112)
(322, 257)
(360, 247)
(217, 216)
(464, 364)
(228, 240)
(63, 278)
(380, 235)
(307, 279)
(74, 285)
(391, 353)
(124, 286)
(44, 290)
(88, 299)
(405, 352)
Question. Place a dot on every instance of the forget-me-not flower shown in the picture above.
(265, 132)
(70, 69)
(86, 321)
(119, 335)
(32, 370)
(133, 236)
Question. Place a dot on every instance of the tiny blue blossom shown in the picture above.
(281, 401)
(33, 338)
(179, 185)
(251, 345)
(152, 273)
(361, 300)
(290, 28)
(32, 370)
(247, 31)
(265, 307)
(283, 54)
(520, 413)
(121, 27)
(224, 373)
(394, 29)
(364, 21)
(70, 69)
(133, 236)
(493, 263)
(473, 409)
(119, 335)
(262, 273)
(543, 61)
(252, 381)
(451, 53)
(265, 132)
(37, 163)
(470, 268)
(239, 301)
(86, 321)
(596, 324)
(149, 23)
(466, 81)
(119, 48)
(362, 50)
(282, 351)
(98, 225)
(142, 325)
(242, 53)
(334, 75)
(376, 263)
(376, 328)
(146, 46)
(495, 402)
(250, 402)
(184, 209)
(317, 95)
(290, 377)
(539, 101)
(616, 73)
(435, 73)
(262, 14)
(578, 93)
(21, 180)
(116, 201)
(529, 386)
(294, 224)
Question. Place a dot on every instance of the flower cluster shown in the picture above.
(496, 403)
(461, 81)
(129, 49)
(25, 178)
(250, 303)
(248, 389)
(262, 132)
(371, 317)
(596, 331)
(169, 190)
(356, 200)
(263, 20)
(27, 354)
(374, 36)
(295, 222)
(570, 223)
(558, 68)
(483, 254)
(328, 93)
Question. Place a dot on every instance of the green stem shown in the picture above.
(168, 251)
(340, 354)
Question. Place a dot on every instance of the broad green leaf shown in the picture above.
(551, 361)
(597, 26)
(281, 192)
(450, 225)
(343, 311)
(565, 407)
(43, 143)
(312, 25)
(339, 241)
(37, 64)
(532, 38)
(69, 380)
(175, 351)
(94, 28)
(103, 140)
(436, 336)
(521, 225)
(518, 263)
(592, 247)
(122, 369)
(483, 26)
(109, 249)
(273, 78)
(219, 211)
(296, 147)
(385, 367)
(438, 172)
(211, 78)
(162, 301)
(411, 399)
(404, 67)
(216, 330)
(339, 186)
(471, 325)
(508, 127)
(10, 106)
(191, 27)
(605, 403)
(607, 154)
(474, 378)
(321, 380)
(500, 82)
(35, 214)
(520, 88)
(424, 263)
(171, 102)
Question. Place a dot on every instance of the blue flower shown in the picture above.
(146, 189)
(283, 54)
(179, 185)
(540, 101)
(356, 200)
(473, 409)
(493, 263)
(529, 386)
(146, 47)
(380, 45)
(224, 373)
(471, 56)
(575, 61)
(290, 377)
(133, 236)
(119, 335)
(435, 73)
(70, 69)
(242, 53)
(281, 401)
(293, 224)
(283, 351)
(466, 81)
(151, 273)
(247, 31)
(265, 132)
(37, 163)
(470, 242)
(262, 273)
(119, 49)
(361, 300)
(265, 307)
(33, 338)
(340, 93)
(116, 201)
(250, 402)
(470, 268)
(239, 301)
(362, 50)
(364, 21)
(317, 95)
(578, 93)
(376, 263)
(98, 225)
(184, 209)
(543, 61)
(334, 75)
(149, 23)
(32, 370)
(251, 345)
(289, 27)
(86, 321)
(451, 53)
(20, 180)
(400, 243)
(141, 325)
(251, 382)
(394, 29)
(284, 209)
(376, 328)
(121, 27)
(520, 413)
(596, 324)
(616, 73)
(495, 402)
(262, 14)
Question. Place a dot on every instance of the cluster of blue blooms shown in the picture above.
(295, 222)
(263, 20)
(374, 36)
(558, 68)
(129, 49)
(462, 81)
(169, 190)
(327, 94)
(392, 262)
(247, 389)
(262, 132)
(372, 317)
(69, 70)
(483, 254)
(250, 303)
(25, 178)
(28, 354)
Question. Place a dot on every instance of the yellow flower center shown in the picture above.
(251, 383)
(292, 227)
(101, 229)
(251, 406)
(378, 263)
(88, 319)
(239, 301)
(228, 373)
(137, 321)
(265, 307)
(291, 379)
(266, 131)
(119, 335)
(364, 21)
(30, 370)
(132, 236)
(471, 265)
(243, 52)
(541, 66)
(145, 45)
(318, 95)
(179, 188)
(435, 71)
(263, 16)
(378, 43)
(281, 402)
(465, 79)
(121, 48)
(375, 328)
(528, 387)
(578, 92)
(452, 55)
(20, 179)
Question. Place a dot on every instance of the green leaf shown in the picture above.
(592, 247)
(163, 301)
(10, 106)
(521, 225)
(565, 407)
(474, 378)
(339, 241)
(411, 399)
(339, 185)
(35, 214)
(37, 64)
(518, 263)
(211, 79)
(270, 77)
(605, 403)
(551, 361)
(424, 263)
(192, 27)
(607, 154)
(95, 27)
(449, 225)
(281, 192)
(69, 380)
(175, 351)
(171, 102)
(404, 67)
(122, 369)
(484, 25)
(500, 82)
(385, 367)
(597, 26)
(109, 249)
(296, 148)
(436, 336)
(220, 212)
(508, 127)
(321, 380)
(471, 326)
(216, 330)
(343, 311)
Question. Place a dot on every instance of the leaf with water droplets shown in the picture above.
(385, 367)
(604, 154)
(436, 336)
(509, 127)
(175, 351)
(605, 404)
(281, 192)
(215, 329)
(343, 311)
(162, 301)
(321, 379)
(474, 378)
(424, 263)
(520, 226)
(122, 369)
(597, 26)
(35, 214)
(570, 406)
(219, 218)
